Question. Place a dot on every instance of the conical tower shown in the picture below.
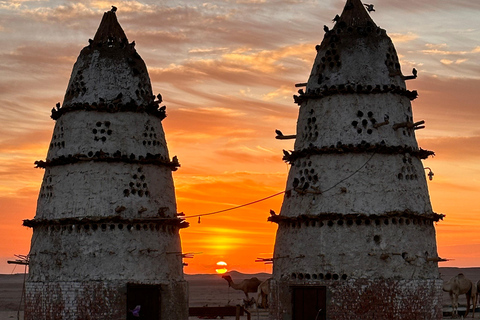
(106, 232)
(356, 237)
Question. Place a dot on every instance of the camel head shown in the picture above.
(229, 279)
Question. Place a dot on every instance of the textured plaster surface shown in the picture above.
(356, 251)
(127, 132)
(351, 119)
(79, 254)
(101, 189)
(384, 183)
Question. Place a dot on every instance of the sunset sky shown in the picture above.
(227, 70)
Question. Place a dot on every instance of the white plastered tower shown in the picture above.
(356, 236)
(106, 231)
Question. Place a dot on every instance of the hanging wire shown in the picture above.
(354, 173)
(236, 207)
(279, 193)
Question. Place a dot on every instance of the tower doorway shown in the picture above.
(309, 303)
(143, 302)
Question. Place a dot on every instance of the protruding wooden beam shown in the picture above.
(381, 124)
(293, 136)
(299, 85)
(409, 125)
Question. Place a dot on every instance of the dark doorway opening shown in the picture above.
(309, 303)
(143, 302)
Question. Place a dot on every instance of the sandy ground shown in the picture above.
(205, 290)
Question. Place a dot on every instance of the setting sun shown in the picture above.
(221, 267)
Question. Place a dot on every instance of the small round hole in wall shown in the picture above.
(300, 276)
(340, 222)
(307, 276)
(335, 276)
(328, 276)
(321, 276)
(294, 276)
(330, 223)
(376, 238)
(377, 222)
(120, 226)
(344, 277)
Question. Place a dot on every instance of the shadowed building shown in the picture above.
(356, 236)
(106, 241)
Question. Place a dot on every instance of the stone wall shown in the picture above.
(366, 299)
(97, 300)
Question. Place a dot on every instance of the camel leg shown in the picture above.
(474, 300)
(469, 296)
(454, 299)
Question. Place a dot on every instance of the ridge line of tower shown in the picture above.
(406, 214)
(181, 223)
(100, 156)
(363, 147)
(151, 108)
(326, 91)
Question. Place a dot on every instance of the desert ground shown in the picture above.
(205, 290)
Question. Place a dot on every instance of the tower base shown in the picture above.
(352, 299)
(83, 300)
